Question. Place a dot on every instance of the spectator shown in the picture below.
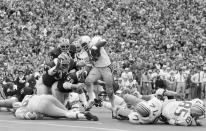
(181, 83)
(196, 80)
(127, 73)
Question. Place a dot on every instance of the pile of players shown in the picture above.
(63, 81)
(76, 68)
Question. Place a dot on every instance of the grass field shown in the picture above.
(105, 123)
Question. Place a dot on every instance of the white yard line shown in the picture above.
(6, 127)
(60, 125)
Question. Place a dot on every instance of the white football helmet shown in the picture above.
(197, 110)
(84, 42)
(143, 109)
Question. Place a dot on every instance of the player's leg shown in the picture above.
(8, 102)
(50, 106)
(131, 100)
(82, 97)
(93, 76)
(72, 101)
(57, 94)
(41, 88)
(108, 79)
(123, 113)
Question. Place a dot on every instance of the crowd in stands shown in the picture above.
(145, 37)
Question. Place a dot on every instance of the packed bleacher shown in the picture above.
(154, 40)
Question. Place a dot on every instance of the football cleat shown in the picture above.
(98, 102)
(89, 116)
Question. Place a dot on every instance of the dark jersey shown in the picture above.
(49, 80)
(71, 78)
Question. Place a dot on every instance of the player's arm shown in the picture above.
(54, 67)
(68, 85)
(99, 44)
(81, 63)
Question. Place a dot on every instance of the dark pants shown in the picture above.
(199, 91)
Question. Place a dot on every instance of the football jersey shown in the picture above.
(119, 101)
(71, 78)
(177, 112)
(155, 106)
(49, 80)
(103, 60)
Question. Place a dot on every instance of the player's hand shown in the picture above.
(80, 85)
(59, 64)
(14, 87)
(22, 90)
(8, 90)
(67, 85)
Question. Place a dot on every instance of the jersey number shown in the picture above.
(184, 106)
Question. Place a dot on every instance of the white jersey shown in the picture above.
(155, 106)
(177, 112)
(119, 101)
(103, 60)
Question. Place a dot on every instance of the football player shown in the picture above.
(55, 71)
(38, 106)
(144, 112)
(100, 67)
(144, 109)
(67, 84)
(183, 113)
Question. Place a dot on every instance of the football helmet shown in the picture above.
(143, 109)
(77, 45)
(81, 75)
(54, 53)
(64, 46)
(197, 110)
(84, 42)
(85, 39)
(64, 60)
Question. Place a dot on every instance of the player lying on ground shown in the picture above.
(183, 113)
(37, 106)
(173, 112)
(142, 109)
